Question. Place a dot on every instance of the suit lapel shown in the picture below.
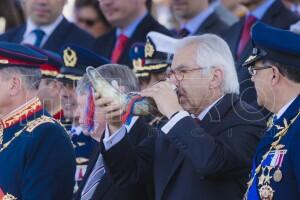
(208, 23)
(272, 12)
(138, 35)
(172, 157)
(234, 38)
(58, 35)
(19, 35)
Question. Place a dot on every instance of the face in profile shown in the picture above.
(68, 100)
(43, 12)
(87, 19)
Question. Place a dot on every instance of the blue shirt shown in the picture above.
(129, 30)
(260, 11)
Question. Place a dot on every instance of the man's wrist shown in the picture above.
(173, 113)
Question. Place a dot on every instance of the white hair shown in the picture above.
(213, 51)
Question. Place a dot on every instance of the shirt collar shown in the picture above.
(129, 30)
(260, 11)
(206, 110)
(284, 108)
(48, 29)
(193, 24)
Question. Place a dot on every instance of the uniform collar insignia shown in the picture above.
(26, 110)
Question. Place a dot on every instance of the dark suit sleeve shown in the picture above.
(50, 165)
(214, 155)
(131, 164)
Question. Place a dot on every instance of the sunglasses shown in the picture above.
(88, 22)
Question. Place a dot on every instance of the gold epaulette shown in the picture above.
(61, 124)
(37, 122)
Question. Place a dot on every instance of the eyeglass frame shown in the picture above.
(170, 72)
(253, 70)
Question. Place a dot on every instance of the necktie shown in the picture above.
(183, 33)
(245, 37)
(94, 179)
(40, 34)
(121, 42)
(197, 120)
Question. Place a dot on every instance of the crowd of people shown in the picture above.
(116, 106)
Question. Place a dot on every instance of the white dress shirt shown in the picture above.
(29, 37)
(284, 108)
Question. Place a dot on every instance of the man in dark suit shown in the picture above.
(132, 22)
(47, 28)
(97, 183)
(197, 17)
(206, 147)
(271, 12)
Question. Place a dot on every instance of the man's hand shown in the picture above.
(111, 110)
(165, 98)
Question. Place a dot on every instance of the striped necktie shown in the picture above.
(94, 179)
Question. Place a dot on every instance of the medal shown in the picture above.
(266, 192)
(277, 175)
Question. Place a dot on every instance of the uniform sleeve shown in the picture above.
(295, 157)
(50, 165)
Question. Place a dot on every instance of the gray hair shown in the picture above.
(120, 73)
(30, 76)
(213, 52)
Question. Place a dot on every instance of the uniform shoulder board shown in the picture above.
(37, 122)
(61, 124)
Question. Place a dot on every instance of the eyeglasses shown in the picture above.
(88, 22)
(253, 70)
(179, 74)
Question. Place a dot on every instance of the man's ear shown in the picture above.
(16, 85)
(276, 76)
(216, 78)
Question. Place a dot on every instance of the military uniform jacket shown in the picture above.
(36, 157)
(276, 165)
(84, 146)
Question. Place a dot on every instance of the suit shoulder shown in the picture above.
(8, 35)
(156, 26)
(247, 113)
(106, 37)
(78, 31)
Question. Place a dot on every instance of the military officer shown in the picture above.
(36, 156)
(75, 60)
(49, 87)
(150, 63)
(274, 67)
